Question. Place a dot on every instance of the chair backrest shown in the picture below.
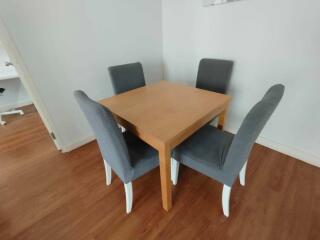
(127, 77)
(250, 129)
(110, 139)
(214, 75)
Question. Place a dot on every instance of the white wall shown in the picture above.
(15, 94)
(68, 45)
(271, 41)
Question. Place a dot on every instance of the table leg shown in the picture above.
(165, 175)
(222, 119)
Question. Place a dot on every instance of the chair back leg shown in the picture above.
(2, 122)
(108, 172)
(242, 174)
(226, 199)
(129, 196)
(174, 171)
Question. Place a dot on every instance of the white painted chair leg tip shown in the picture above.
(242, 174)
(108, 172)
(226, 200)
(128, 211)
(129, 196)
(174, 171)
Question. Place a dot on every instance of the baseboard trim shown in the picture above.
(78, 144)
(287, 150)
(290, 151)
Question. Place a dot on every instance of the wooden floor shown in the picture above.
(45, 194)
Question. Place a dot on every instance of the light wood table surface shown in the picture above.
(163, 115)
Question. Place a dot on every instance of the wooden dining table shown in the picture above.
(163, 115)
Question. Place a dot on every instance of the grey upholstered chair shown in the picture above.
(127, 77)
(127, 155)
(221, 155)
(214, 75)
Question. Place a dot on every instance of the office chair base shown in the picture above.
(9, 113)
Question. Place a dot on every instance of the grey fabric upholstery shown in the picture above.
(127, 155)
(214, 75)
(212, 151)
(143, 158)
(220, 155)
(127, 77)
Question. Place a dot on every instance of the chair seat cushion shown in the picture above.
(205, 151)
(143, 157)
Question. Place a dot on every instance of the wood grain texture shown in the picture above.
(163, 115)
(166, 112)
(165, 177)
(45, 194)
(222, 119)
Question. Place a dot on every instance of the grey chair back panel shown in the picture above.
(110, 139)
(214, 75)
(249, 131)
(127, 77)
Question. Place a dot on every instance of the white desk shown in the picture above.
(8, 73)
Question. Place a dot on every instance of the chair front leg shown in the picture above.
(129, 196)
(108, 171)
(242, 174)
(1, 121)
(226, 199)
(174, 171)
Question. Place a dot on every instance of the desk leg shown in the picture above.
(165, 173)
(222, 119)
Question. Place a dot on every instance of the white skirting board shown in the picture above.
(292, 152)
(77, 144)
(287, 150)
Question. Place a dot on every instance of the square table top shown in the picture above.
(166, 113)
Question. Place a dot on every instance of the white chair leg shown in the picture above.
(108, 172)
(226, 199)
(242, 174)
(122, 128)
(1, 121)
(129, 196)
(174, 171)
